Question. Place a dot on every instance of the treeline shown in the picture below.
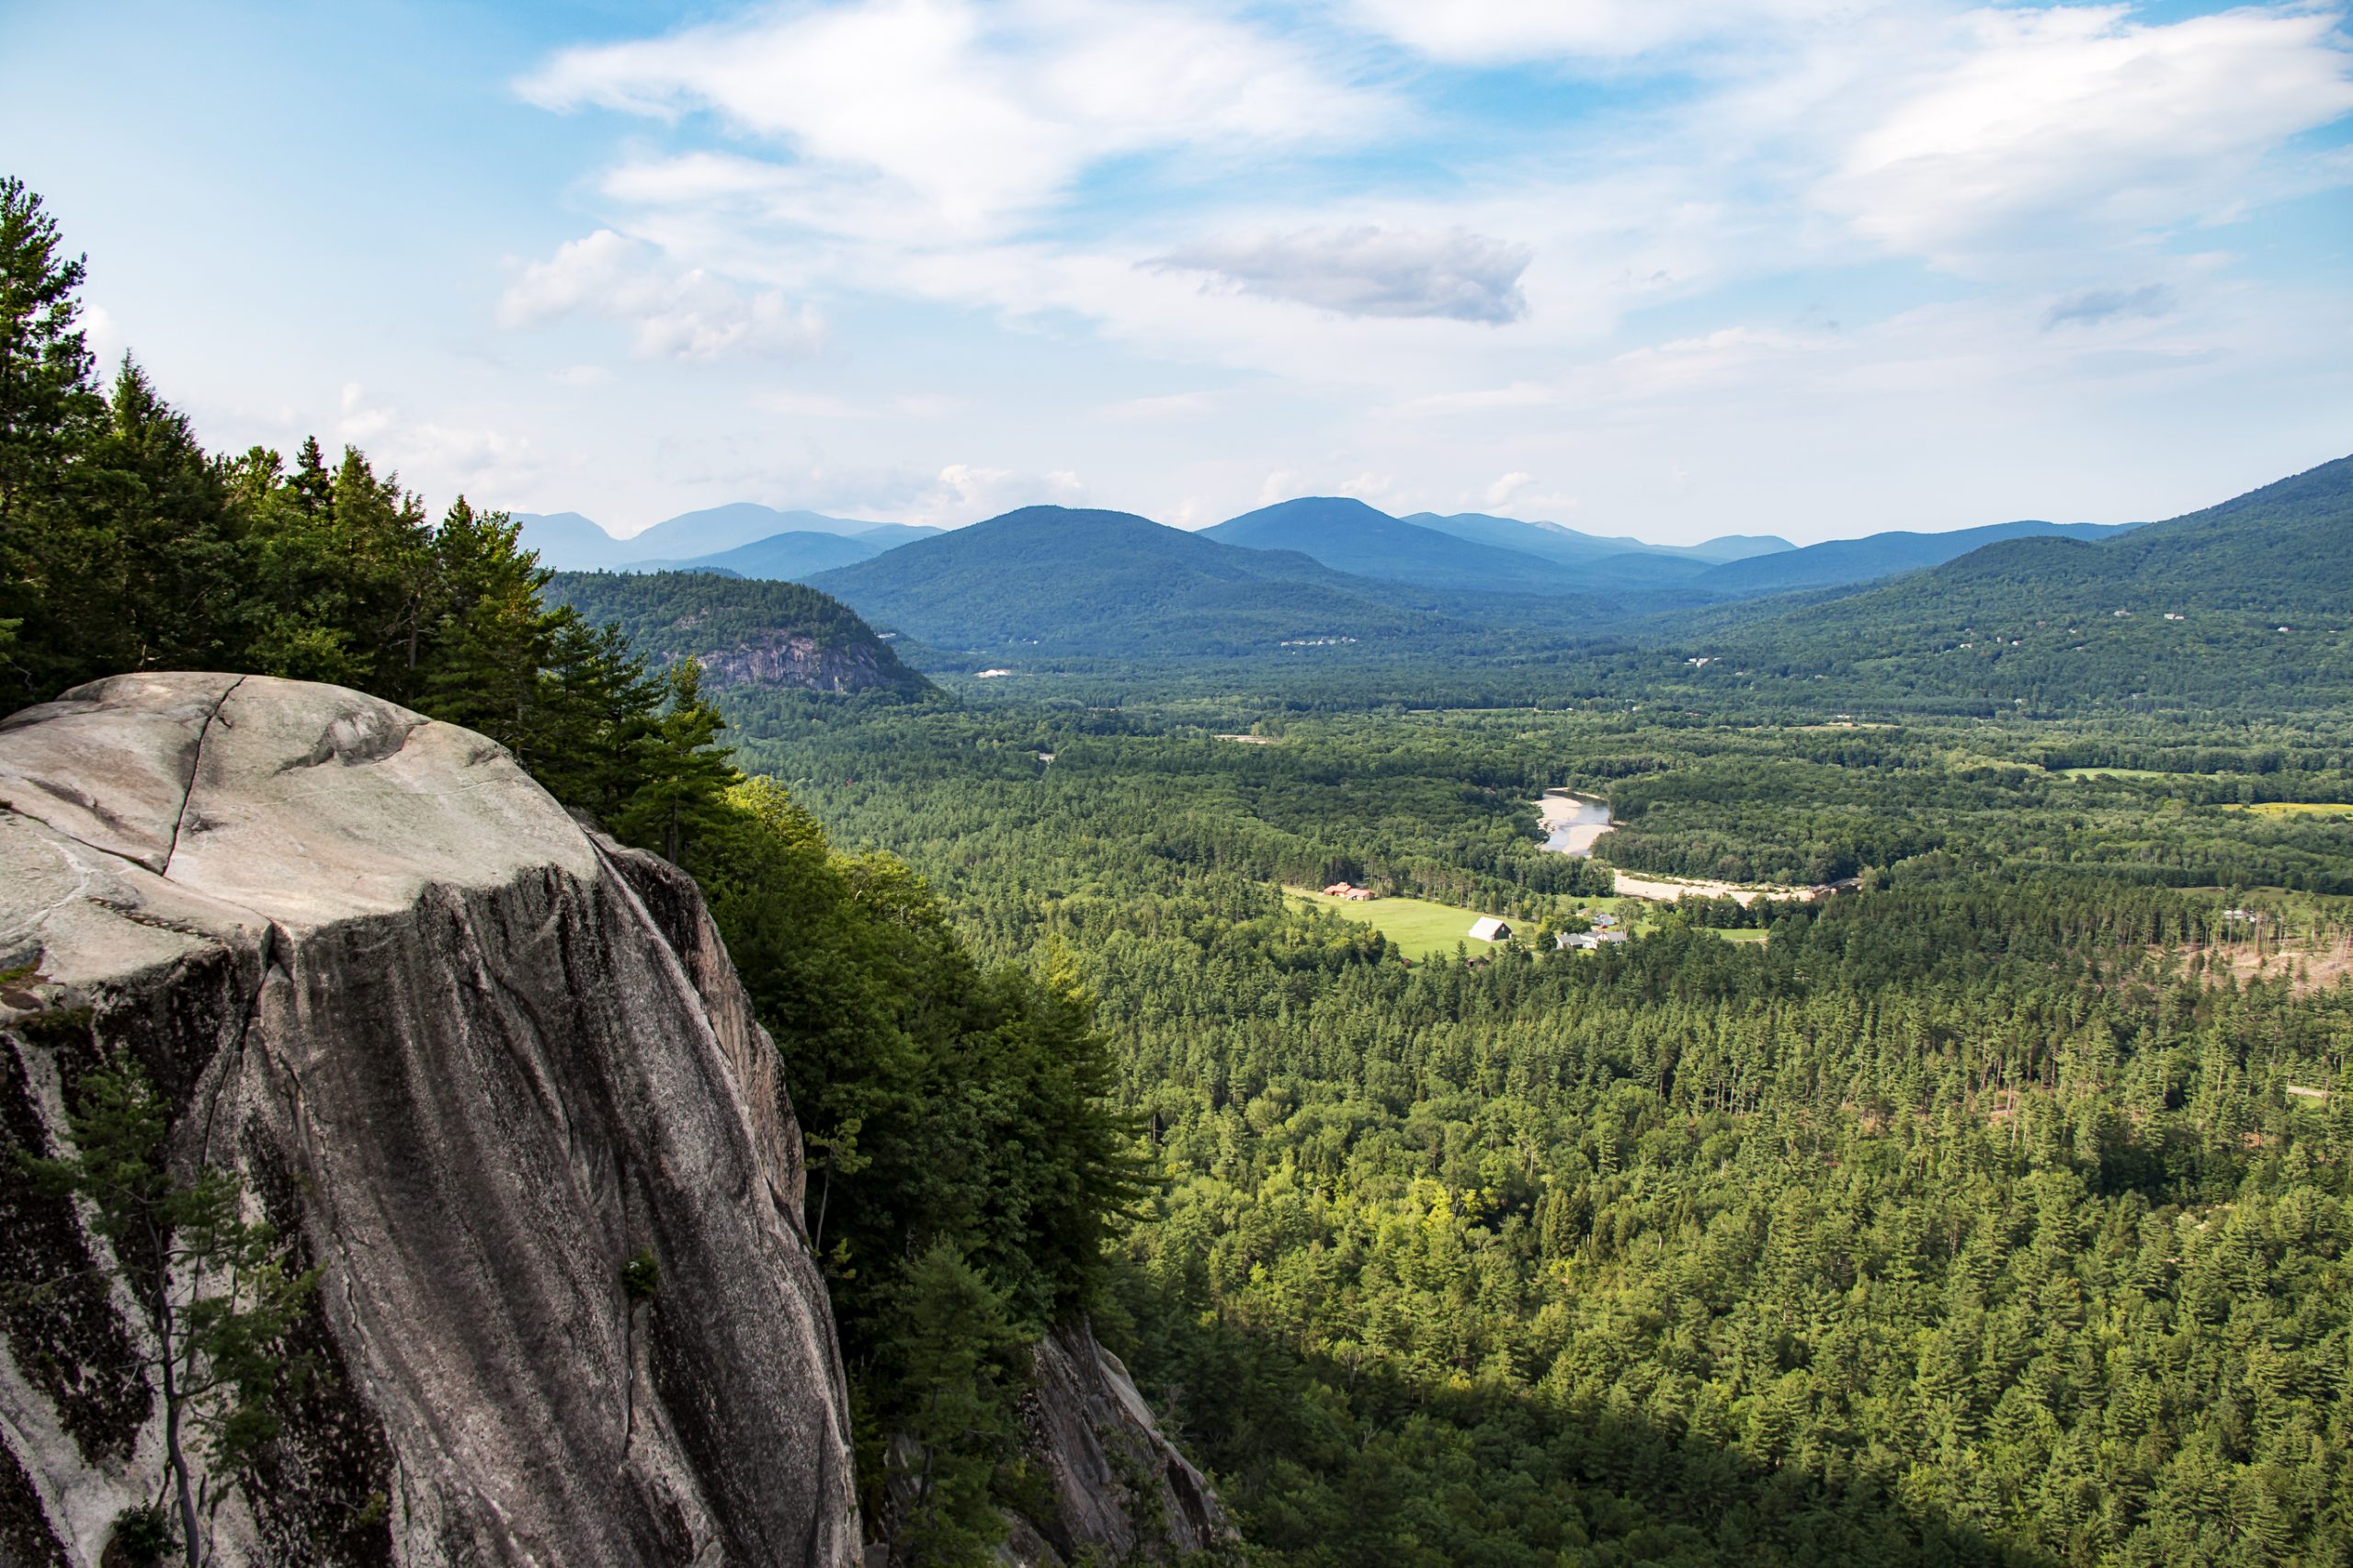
(126, 546)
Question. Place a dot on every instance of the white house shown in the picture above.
(1487, 928)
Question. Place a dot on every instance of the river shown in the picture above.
(1573, 823)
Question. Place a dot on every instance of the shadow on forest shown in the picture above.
(1329, 1465)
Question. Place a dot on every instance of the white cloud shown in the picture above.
(978, 115)
(674, 314)
(1500, 493)
(968, 492)
(1449, 274)
(442, 460)
(581, 375)
(2070, 124)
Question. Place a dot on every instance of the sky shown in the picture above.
(1813, 267)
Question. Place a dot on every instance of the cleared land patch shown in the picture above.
(2297, 809)
(1416, 928)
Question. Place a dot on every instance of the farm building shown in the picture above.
(1487, 928)
(1348, 890)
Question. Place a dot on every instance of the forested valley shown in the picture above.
(1995, 1212)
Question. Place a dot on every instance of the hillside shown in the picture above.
(1839, 562)
(746, 632)
(1349, 536)
(571, 542)
(2249, 600)
(1113, 584)
(1566, 545)
(788, 557)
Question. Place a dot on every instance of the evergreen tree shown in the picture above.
(214, 1292)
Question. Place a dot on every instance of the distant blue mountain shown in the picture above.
(692, 535)
(1841, 562)
(570, 542)
(1060, 581)
(1555, 542)
(784, 558)
(1348, 536)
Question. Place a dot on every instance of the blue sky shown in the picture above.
(1805, 266)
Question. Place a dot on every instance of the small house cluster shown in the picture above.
(1605, 930)
(1349, 890)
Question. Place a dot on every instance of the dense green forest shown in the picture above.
(1991, 1213)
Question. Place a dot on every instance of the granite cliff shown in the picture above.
(474, 1059)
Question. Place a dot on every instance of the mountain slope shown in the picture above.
(1110, 584)
(1839, 562)
(745, 632)
(890, 535)
(785, 558)
(570, 542)
(692, 535)
(2247, 600)
(1556, 542)
(1349, 536)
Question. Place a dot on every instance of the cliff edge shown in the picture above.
(473, 1060)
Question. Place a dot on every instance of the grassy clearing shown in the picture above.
(2082, 773)
(1415, 926)
(2297, 809)
(1737, 932)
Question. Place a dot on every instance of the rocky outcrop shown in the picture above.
(473, 1060)
(1121, 1491)
(799, 659)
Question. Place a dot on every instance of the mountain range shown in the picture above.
(1097, 583)
(2255, 593)
(1335, 572)
(703, 539)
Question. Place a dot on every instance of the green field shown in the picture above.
(1417, 928)
(1737, 932)
(2297, 808)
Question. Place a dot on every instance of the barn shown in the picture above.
(1487, 928)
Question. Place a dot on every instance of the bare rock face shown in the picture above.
(1121, 1491)
(473, 1060)
(798, 659)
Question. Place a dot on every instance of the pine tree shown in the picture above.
(48, 412)
(214, 1292)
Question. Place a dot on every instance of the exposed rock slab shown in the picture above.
(473, 1058)
(1122, 1491)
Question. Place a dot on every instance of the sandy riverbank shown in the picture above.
(1741, 892)
(1572, 823)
